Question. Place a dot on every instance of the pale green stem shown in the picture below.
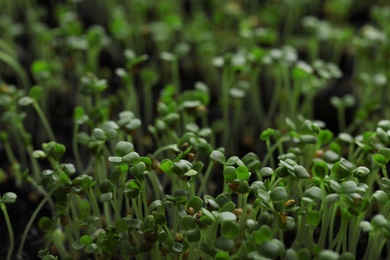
(10, 231)
(30, 222)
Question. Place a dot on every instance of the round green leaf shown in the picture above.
(25, 101)
(86, 240)
(232, 161)
(243, 173)
(188, 223)
(105, 197)
(91, 248)
(252, 225)
(366, 226)
(301, 172)
(135, 223)
(278, 194)
(223, 243)
(266, 134)
(121, 225)
(325, 136)
(196, 203)
(379, 221)
(229, 173)
(330, 198)
(237, 92)
(314, 193)
(166, 166)
(291, 254)
(328, 255)
(39, 154)
(122, 148)
(138, 168)
(217, 156)
(46, 224)
(230, 229)
(382, 134)
(348, 187)
(338, 172)
(346, 138)
(77, 245)
(115, 159)
(385, 124)
(223, 199)
(131, 158)
(221, 255)
(132, 193)
(243, 187)
(35, 93)
(105, 186)
(251, 161)
(177, 247)
(191, 173)
(361, 171)
(193, 235)
(336, 102)
(110, 134)
(147, 161)
(41, 68)
(79, 116)
(263, 234)
(380, 159)
(346, 165)
(272, 248)
(266, 171)
(320, 169)
(133, 124)
(8, 198)
(289, 225)
(301, 70)
(381, 197)
(331, 156)
(346, 256)
(313, 218)
(160, 219)
(181, 167)
(99, 134)
(229, 206)
(167, 56)
(54, 150)
(208, 214)
(308, 139)
(211, 201)
(265, 219)
(385, 152)
(283, 171)
(154, 205)
(304, 254)
(180, 193)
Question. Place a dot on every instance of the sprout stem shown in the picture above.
(44, 121)
(30, 222)
(10, 231)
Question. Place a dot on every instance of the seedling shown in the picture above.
(166, 99)
(8, 198)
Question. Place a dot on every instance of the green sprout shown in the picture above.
(8, 198)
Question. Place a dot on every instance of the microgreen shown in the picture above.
(8, 198)
(161, 102)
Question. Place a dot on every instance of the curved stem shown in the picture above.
(205, 180)
(76, 149)
(30, 222)
(44, 121)
(10, 231)
(162, 149)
